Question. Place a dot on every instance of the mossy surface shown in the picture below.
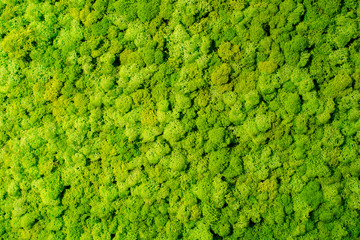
(188, 119)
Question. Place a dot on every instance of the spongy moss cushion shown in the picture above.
(189, 119)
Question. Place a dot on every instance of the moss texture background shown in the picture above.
(189, 119)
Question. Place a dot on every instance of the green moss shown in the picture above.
(166, 119)
(177, 161)
(267, 66)
(18, 43)
(292, 103)
(174, 131)
(221, 74)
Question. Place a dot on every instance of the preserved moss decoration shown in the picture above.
(179, 119)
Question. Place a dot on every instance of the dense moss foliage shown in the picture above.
(188, 119)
